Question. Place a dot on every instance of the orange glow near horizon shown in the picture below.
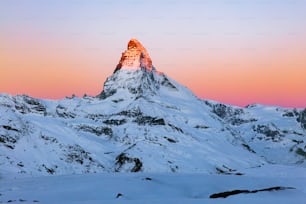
(47, 72)
(228, 53)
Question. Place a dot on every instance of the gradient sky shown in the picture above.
(235, 51)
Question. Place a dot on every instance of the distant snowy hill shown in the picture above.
(143, 121)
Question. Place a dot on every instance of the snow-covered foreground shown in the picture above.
(154, 188)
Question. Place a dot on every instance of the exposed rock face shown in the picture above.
(302, 118)
(135, 76)
(135, 57)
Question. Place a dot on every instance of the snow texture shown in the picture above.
(143, 121)
(164, 188)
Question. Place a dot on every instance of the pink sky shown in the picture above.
(221, 55)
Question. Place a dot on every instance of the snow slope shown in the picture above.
(143, 121)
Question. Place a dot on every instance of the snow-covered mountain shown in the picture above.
(143, 121)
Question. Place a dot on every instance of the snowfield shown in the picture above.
(153, 188)
(145, 122)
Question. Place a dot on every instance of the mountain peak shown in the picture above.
(134, 44)
(135, 57)
(135, 76)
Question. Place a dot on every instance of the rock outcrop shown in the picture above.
(135, 57)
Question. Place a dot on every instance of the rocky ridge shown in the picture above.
(143, 121)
